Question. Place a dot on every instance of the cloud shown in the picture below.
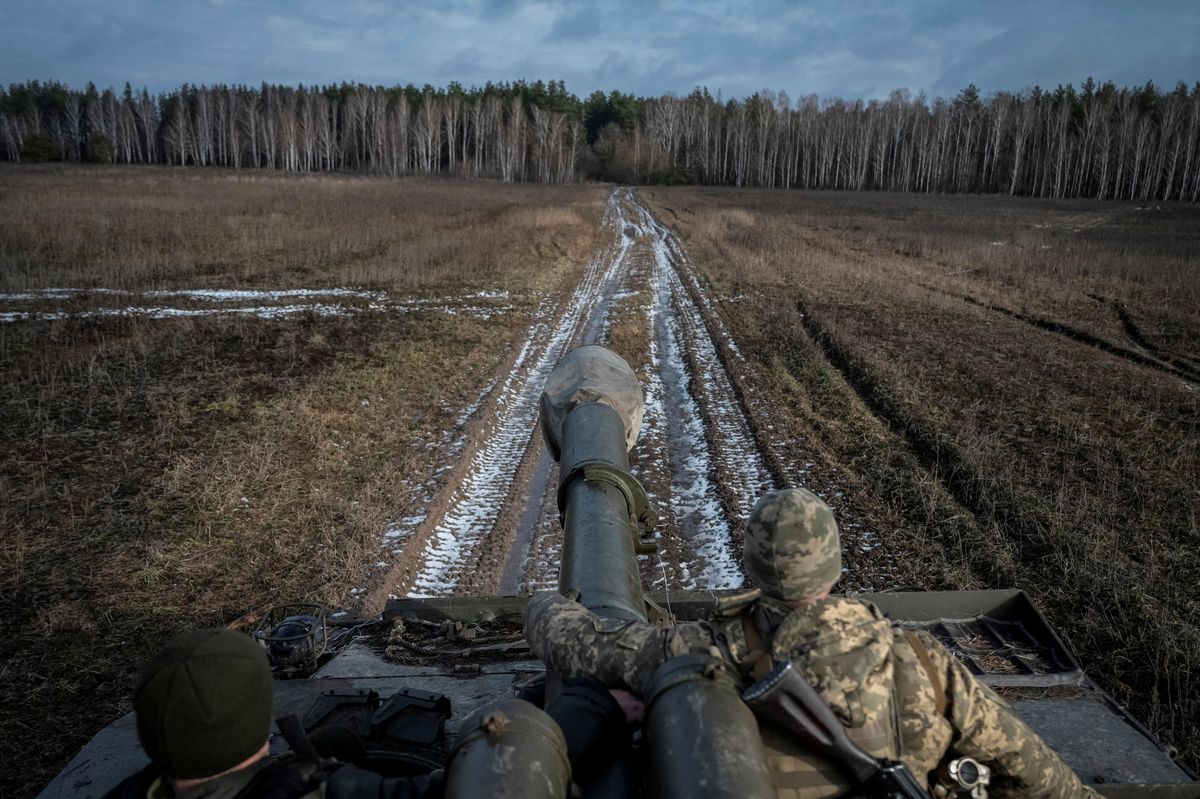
(850, 48)
(580, 24)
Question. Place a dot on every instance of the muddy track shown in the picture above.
(935, 451)
(493, 527)
(1081, 336)
(787, 457)
(720, 470)
(1134, 333)
(693, 429)
(478, 515)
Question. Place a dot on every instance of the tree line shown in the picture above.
(1096, 141)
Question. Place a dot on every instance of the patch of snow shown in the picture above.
(31, 295)
(226, 295)
(485, 304)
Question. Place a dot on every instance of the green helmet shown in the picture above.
(792, 550)
(203, 703)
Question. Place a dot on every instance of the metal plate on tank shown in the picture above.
(1097, 743)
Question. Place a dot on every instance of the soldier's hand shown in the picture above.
(631, 705)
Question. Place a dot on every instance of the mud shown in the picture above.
(468, 542)
(707, 448)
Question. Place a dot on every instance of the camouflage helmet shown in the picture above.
(792, 550)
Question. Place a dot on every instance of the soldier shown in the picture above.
(203, 707)
(899, 693)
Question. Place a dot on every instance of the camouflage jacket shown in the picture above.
(866, 671)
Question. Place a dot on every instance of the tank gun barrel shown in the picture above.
(591, 410)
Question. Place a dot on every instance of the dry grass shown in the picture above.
(1030, 409)
(158, 228)
(160, 475)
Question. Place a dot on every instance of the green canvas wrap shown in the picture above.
(203, 703)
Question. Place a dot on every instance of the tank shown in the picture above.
(427, 673)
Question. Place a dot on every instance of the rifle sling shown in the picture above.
(939, 687)
(759, 656)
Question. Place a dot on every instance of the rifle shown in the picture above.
(785, 698)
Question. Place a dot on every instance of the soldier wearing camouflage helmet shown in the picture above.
(792, 550)
(899, 693)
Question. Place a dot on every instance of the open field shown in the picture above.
(223, 390)
(197, 428)
(201, 455)
(1012, 384)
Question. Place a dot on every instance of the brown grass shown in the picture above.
(1029, 409)
(160, 475)
(157, 228)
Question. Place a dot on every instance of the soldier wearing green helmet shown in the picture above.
(203, 706)
(899, 694)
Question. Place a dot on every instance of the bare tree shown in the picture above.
(1098, 142)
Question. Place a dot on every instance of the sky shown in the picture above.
(832, 48)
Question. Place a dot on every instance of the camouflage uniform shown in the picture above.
(878, 680)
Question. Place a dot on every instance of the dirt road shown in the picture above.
(493, 526)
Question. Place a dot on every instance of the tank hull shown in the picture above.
(1044, 683)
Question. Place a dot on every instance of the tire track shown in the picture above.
(1077, 335)
(696, 456)
(698, 453)
(477, 503)
(538, 549)
(1134, 333)
(742, 468)
(717, 471)
(749, 424)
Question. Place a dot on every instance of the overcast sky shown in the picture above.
(845, 48)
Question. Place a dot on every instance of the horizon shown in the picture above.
(471, 89)
(850, 51)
